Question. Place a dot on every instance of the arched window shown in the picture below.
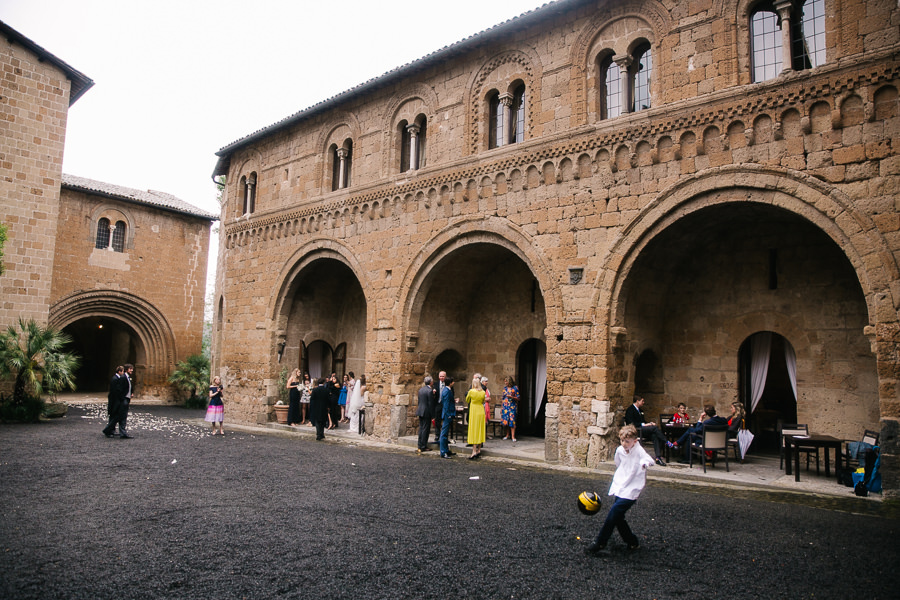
(794, 28)
(412, 144)
(506, 122)
(341, 163)
(118, 236)
(611, 89)
(766, 45)
(248, 192)
(102, 234)
(809, 37)
(643, 71)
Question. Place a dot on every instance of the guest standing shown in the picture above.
(342, 398)
(215, 412)
(477, 422)
(113, 401)
(318, 406)
(305, 389)
(424, 412)
(293, 386)
(356, 402)
(510, 407)
(448, 411)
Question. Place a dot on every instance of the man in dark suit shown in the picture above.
(113, 401)
(318, 407)
(635, 416)
(127, 389)
(707, 417)
(436, 405)
(425, 412)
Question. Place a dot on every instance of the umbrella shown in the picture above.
(744, 438)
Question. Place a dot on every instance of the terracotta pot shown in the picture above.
(281, 413)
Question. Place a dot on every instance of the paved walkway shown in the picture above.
(756, 471)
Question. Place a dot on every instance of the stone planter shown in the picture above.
(281, 413)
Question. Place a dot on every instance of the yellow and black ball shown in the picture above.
(589, 503)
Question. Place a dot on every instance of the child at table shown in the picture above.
(627, 483)
(681, 417)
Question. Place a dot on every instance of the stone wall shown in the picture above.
(599, 238)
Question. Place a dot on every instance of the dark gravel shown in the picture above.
(177, 513)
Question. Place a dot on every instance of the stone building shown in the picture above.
(123, 271)
(129, 281)
(692, 201)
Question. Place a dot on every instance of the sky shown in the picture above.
(176, 80)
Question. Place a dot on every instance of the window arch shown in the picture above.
(795, 29)
(642, 69)
(248, 193)
(506, 121)
(413, 139)
(341, 163)
(102, 241)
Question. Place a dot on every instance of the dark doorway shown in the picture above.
(777, 405)
(102, 343)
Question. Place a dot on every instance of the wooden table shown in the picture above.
(673, 431)
(826, 442)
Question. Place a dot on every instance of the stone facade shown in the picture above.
(666, 251)
(140, 297)
(140, 302)
(36, 90)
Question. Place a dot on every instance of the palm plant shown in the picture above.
(34, 356)
(191, 375)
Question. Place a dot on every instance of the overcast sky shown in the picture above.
(176, 80)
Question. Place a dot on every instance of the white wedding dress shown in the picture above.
(354, 403)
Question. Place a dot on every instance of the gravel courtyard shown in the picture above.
(177, 513)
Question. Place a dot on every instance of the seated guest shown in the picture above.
(737, 415)
(681, 417)
(635, 416)
(707, 417)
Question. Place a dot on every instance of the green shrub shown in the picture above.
(26, 411)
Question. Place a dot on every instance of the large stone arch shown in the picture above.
(148, 322)
(491, 230)
(316, 249)
(819, 203)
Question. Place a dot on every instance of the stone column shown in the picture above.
(413, 145)
(506, 102)
(112, 229)
(783, 8)
(624, 62)
(342, 172)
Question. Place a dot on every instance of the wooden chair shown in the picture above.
(497, 420)
(733, 441)
(797, 429)
(711, 439)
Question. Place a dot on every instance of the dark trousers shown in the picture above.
(335, 410)
(686, 440)
(424, 431)
(656, 436)
(615, 518)
(118, 414)
(320, 421)
(445, 436)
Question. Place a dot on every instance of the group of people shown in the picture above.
(325, 402)
(118, 402)
(437, 404)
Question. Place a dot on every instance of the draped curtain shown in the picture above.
(760, 350)
(791, 359)
(540, 377)
(315, 362)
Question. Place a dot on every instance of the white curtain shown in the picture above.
(315, 361)
(540, 377)
(791, 359)
(760, 350)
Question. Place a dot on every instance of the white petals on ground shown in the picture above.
(474, 478)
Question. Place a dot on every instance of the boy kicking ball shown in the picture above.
(628, 481)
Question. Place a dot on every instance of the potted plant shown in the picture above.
(282, 406)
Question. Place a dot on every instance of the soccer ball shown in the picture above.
(588, 503)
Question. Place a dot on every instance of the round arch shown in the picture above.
(147, 322)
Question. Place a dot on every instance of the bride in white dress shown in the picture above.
(355, 402)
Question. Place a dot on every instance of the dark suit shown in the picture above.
(318, 409)
(697, 430)
(425, 412)
(635, 416)
(118, 386)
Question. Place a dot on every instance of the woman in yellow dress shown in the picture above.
(477, 424)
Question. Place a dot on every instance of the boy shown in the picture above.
(628, 481)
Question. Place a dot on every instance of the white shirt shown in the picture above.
(631, 472)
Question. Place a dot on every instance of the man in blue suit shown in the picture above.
(707, 417)
(448, 410)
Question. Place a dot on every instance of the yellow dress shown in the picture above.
(477, 423)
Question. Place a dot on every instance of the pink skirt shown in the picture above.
(215, 413)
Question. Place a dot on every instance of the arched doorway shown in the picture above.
(531, 376)
(103, 343)
(768, 386)
(451, 362)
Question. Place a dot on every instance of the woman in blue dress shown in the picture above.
(342, 398)
(510, 407)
